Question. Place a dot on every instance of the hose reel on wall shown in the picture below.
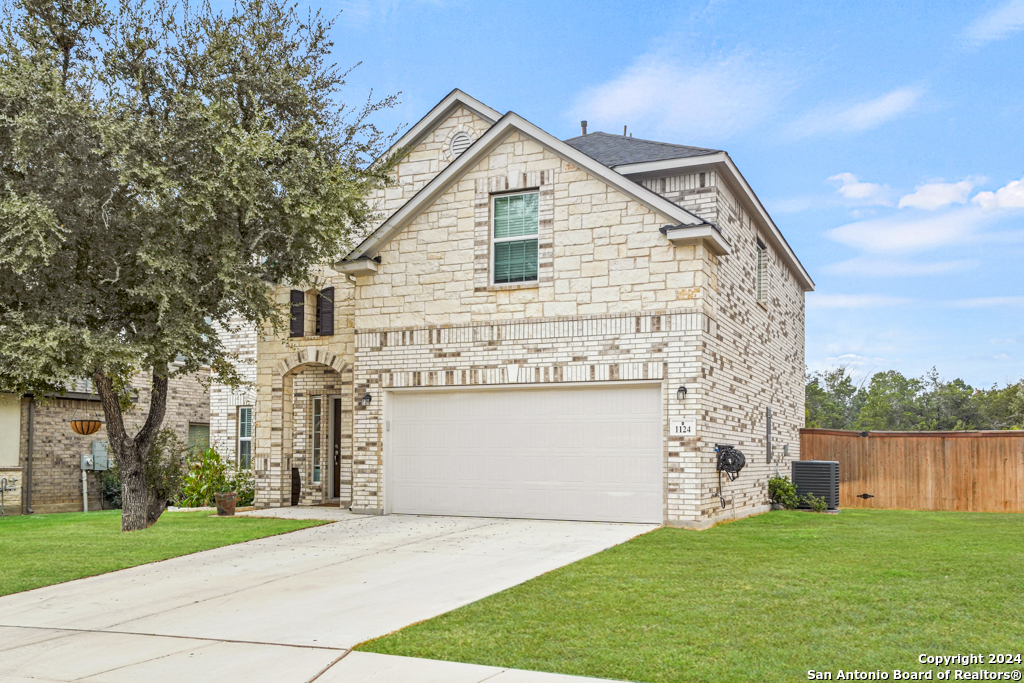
(730, 461)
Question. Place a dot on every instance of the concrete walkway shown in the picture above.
(289, 607)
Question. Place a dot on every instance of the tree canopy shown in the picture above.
(889, 401)
(161, 167)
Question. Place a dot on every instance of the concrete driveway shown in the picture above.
(287, 608)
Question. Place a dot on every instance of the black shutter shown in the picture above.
(325, 312)
(298, 313)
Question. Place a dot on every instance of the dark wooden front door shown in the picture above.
(336, 449)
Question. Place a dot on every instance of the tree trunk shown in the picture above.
(139, 507)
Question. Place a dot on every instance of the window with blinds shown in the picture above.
(244, 437)
(514, 238)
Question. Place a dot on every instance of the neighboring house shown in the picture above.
(38, 447)
(541, 328)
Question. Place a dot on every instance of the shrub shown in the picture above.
(817, 503)
(783, 492)
(243, 482)
(110, 487)
(207, 474)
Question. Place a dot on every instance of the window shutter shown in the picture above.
(298, 313)
(325, 312)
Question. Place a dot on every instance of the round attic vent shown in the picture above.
(460, 143)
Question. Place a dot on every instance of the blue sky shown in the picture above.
(885, 139)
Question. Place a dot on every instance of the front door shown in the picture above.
(336, 448)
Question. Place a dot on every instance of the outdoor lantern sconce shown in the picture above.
(681, 393)
(365, 400)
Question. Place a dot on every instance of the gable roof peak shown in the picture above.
(505, 125)
(438, 113)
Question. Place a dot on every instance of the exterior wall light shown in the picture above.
(365, 400)
(681, 393)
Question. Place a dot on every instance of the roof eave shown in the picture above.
(706, 234)
(722, 160)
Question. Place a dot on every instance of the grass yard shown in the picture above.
(762, 599)
(40, 550)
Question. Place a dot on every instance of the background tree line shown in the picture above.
(890, 401)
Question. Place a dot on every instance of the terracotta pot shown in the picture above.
(226, 503)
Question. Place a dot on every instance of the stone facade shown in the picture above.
(56, 474)
(615, 301)
(291, 372)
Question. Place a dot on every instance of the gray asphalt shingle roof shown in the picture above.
(615, 150)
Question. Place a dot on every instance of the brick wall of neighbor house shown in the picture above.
(304, 365)
(238, 338)
(56, 460)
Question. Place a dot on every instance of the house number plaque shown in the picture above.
(683, 428)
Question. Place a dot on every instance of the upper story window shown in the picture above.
(323, 319)
(514, 238)
(761, 287)
(324, 312)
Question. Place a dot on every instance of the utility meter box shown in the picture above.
(98, 460)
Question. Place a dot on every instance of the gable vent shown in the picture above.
(460, 143)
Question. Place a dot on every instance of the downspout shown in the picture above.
(26, 486)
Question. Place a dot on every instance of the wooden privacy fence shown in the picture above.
(975, 471)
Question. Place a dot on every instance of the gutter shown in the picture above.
(26, 486)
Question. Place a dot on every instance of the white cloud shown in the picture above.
(854, 301)
(901, 234)
(999, 23)
(861, 193)
(938, 195)
(990, 302)
(868, 267)
(662, 96)
(859, 116)
(1010, 196)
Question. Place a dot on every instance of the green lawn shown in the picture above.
(39, 550)
(762, 599)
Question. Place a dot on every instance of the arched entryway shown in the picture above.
(311, 432)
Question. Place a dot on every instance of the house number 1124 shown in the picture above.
(683, 428)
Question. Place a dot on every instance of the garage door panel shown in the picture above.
(580, 453)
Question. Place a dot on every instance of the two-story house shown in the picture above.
(541, 328)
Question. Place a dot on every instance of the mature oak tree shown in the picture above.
(162, 167)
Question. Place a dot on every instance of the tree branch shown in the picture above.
(157, 408)
(112, 412)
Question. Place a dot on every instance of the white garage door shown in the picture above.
(590, 453)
